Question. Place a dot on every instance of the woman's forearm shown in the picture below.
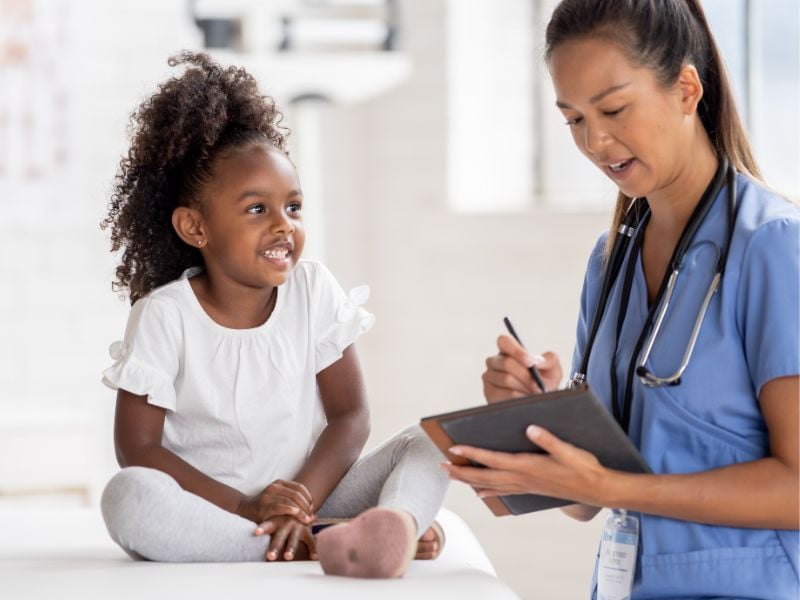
(338, 447)
(761, 494)
(189, 478)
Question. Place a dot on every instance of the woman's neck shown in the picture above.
(670, 210)
(672, 206)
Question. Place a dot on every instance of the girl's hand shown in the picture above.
(564, 472)
(287, 535)
(507, 374)
(286, 498)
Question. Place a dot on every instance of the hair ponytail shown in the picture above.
(719, 113)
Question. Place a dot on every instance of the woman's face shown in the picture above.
(621, 117)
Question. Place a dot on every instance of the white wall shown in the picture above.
(57, 312)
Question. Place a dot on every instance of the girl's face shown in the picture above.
(251, 217)
(621, 117)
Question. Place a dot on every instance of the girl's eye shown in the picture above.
(295, 207)
(613, 113)
(256, 209)
(574, 121)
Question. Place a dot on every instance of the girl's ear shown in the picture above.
(188, 224)
(691, 89)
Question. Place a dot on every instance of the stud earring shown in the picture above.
(200, 242)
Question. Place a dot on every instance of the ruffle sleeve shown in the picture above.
(340, 318)
(147, 361)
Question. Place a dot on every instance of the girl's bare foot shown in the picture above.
(379, 543)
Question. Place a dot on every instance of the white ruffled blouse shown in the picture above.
(242, 404)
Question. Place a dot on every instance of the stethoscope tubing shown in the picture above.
(631, 232)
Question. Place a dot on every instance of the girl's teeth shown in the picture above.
(279, 254)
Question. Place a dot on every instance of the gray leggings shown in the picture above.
(150, 516)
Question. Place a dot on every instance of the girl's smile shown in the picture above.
(279, 254)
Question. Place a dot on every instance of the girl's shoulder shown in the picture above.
(166, 302)
(312, 276)
(310, 269)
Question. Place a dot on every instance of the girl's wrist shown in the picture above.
(241, 507)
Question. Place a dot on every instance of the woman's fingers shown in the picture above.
(511, 347)
(477, 477)
(487, 458)
(505, 377)
(548, 442)
(508, 375)
(549, 366)
(547, 363)
(499, 386)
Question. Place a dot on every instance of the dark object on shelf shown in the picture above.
(220, 33)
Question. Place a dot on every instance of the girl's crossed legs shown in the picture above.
(151, 517)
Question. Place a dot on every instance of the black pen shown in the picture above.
(532, 369)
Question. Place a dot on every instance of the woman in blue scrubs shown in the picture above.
(644, 93)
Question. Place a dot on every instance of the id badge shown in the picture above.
(617, 562)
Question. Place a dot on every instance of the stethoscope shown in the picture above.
(631, 232)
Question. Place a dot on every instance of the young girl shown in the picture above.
(240, 401)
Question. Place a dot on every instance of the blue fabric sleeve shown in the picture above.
(768, 303)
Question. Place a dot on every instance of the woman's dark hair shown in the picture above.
(663, 35)
(176, 134)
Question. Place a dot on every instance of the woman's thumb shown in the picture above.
(543, 438)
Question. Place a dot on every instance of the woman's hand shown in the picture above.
(287, 535)
(564, 472)
(507, 374)
(279, 498)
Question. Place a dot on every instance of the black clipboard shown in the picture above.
(575, 416)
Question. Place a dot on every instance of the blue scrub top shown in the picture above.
(750, 335)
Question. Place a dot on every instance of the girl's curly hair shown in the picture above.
(176, 133)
